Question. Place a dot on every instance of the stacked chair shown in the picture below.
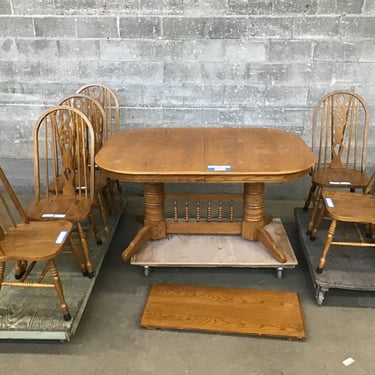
(109, 101)
(64, 145)
(96, 115)
(28, 243)
(339, 142)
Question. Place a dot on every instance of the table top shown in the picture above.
(205, 155)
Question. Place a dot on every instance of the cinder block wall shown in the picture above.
(184, 62)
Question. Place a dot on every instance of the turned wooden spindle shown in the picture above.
(198, 211)
(186, 211)
(209, 210)
(231, 210)
(220, 211)
(175, 210)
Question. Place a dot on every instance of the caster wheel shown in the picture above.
(146, 271)
(319, 297)
(67, 317)
(279, 272)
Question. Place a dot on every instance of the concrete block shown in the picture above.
(186, 117)
(300, 7)
(226, 28)
(5, 7)
(201, 50)
(133, 118)
(244, 51)
(8, 49)
(249, 7)
(76, 49)
(205, 73)
(352, 28)
(184, 95)
(162, 6)
(18, 71)
(294, 50)
(97, 27)
(366, 50)
(76, 6)
(358, 73)
(244, 95)
(130, 95)
(16, 27)
(119, 6)
(204, 7)
(183, 27)
(369, 7)
(29, 7)
(263, 117)
(316, 27)
(340, 6)
(267, 27)
(334, 50)
(140, 27)
(204, 27)
(30, 49)
(55, 27)
(286, 96)
(307, 74)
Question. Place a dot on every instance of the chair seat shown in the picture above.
(327, 177)
(74, 208)
(344, 206)
(34, 241)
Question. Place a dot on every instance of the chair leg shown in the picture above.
(85, 250)
(308, 199)
(77, 255)
(20, 269)
(319, 216)
(103, 214)
(315, 202)
(2, 271)
(59, 290)
(95, 229)
(327, 245)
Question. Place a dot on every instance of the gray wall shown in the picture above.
(184, 62)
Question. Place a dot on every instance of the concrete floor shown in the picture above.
(110, 341)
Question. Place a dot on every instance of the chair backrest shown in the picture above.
(340, 131)
(64, 151)
(94, 112)
(11, 210)
(110, 102)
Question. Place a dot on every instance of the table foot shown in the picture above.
(143, 236)
(267, 241)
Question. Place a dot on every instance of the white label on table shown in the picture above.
(219, 168)
(329, 202)
(348, 361)
(340, 183)
(54, 215)
(62, 236)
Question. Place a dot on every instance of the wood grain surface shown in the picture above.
(224, 310)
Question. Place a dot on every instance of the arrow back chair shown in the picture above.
(97, 117)
(64, 145)
(28, 243)
(110, 102)
(339, 142)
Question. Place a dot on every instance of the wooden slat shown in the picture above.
(203, 227)
(224, 310)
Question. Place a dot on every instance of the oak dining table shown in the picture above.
(249, 156)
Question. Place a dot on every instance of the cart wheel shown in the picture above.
(146, 271)
(319, 297)
(279, 272)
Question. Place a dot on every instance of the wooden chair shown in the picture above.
(97, 117)
(349, 207)
(64, 142)
(110, 102)
(27, 243)
(339, 142)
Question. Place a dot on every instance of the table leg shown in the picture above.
(154, 220)
(253, 220)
